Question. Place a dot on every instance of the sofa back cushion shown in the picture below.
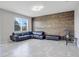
(38, 33)
(26, 33)
(18, 34)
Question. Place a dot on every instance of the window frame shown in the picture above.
(21, 29)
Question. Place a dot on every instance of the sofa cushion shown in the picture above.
(38, 33)
(19, 34)
(26, 33)
(25, 37)
(52, 37)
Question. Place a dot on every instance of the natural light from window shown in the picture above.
(20, 24)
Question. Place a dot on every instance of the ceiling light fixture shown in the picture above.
(37, 8)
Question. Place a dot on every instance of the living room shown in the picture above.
(44, 24)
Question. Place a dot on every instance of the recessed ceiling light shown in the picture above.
(37, 8)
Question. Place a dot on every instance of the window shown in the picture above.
(20, 24)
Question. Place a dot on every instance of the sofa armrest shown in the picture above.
(14, 37)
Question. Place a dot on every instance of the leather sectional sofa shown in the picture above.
(27, 35)
(31, 35)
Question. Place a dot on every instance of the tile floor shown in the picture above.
(38, 48)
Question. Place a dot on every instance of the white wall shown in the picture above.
(76, 24)
(7, 24)
(0, 28)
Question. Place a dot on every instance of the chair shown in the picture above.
(69, 37)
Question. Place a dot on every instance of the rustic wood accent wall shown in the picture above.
(55, 24)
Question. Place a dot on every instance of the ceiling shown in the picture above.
(50, 7)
